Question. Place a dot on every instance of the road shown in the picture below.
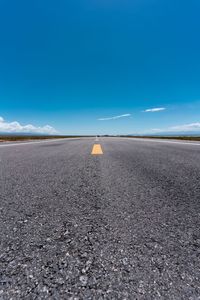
(121, 225)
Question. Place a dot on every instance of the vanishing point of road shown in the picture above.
(113, 218)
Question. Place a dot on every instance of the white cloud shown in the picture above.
(115, 117)
(13, 127)
(180, 128)
(156, 130)
(155, 109)
(186, 127)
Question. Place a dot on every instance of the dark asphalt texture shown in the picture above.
(123, 225)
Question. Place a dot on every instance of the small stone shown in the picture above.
(125, 261)
(84, 254)
(84, 280)
(45, 289)
(83, 271)
(60, 281)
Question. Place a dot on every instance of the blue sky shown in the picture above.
(70, 63)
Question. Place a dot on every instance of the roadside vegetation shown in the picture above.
(182, 138)
(18, 138)
(21, 138)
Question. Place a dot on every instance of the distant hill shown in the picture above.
(171, 134)
(23, 134)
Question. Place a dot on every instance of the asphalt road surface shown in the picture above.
(121, 225)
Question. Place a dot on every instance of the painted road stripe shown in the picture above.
(97, 150)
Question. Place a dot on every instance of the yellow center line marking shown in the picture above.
(97, 150)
